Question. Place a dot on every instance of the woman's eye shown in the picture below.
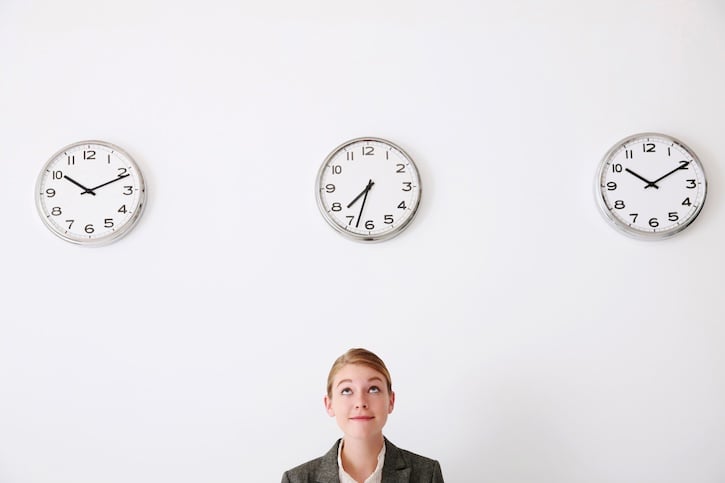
(374, 389)
(346, 391)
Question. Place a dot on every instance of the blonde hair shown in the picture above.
(358, 356)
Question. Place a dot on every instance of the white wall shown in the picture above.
(528, 341)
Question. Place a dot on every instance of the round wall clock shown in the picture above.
(90, 193)
(368, 189)
(651, 186)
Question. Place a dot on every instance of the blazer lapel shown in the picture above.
(395, 468)
(328, 472)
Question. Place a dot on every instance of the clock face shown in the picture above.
(90, 193)
(368, 189)
(651, 185)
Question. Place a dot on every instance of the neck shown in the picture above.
(360, 456)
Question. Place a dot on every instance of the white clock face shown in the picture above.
(368, 189)
(651, 185)
(90, 193)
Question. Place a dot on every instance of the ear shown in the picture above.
(328, 406)
(392, 402)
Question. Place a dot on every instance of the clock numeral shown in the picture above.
(350, 156)
(401, 168)
(330, 188)
(71, 160)
(368, 150)
(648, 147)
(668, 152)
(122, 172)
(611, 186)
(387, 154)
(129, 190)
(407, 186)
(89, 228)
(369, 225)
(50, 192)
(634, 217)
(654, 223)
(57, 174)
(388, 219)
(56, 211)
(108, 223)
(122, 209)
(691, 184)
(617, 168)
(402, 205)
(686, 202)
(350, 218)
(673, 216)
(109, 159)
(683, 164)
(336, 168)
(336, 207)
(70, 223)
(627, 154)
(619, 204)
(89, 154)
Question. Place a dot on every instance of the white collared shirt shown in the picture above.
(376, 477)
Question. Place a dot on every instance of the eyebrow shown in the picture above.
(374, 378)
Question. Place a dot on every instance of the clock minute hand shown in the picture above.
(85, 190)
(104, 184)
(362, 206)
(649, 183)
(683, 165)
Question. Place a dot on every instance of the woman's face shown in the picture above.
(360, 401)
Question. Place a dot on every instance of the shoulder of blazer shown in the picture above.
(402, 466)
(319, 470)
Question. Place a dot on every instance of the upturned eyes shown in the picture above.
(348, 391)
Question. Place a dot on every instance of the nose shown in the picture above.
(361, 403)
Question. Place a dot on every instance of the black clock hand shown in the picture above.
(363, 192)
(85, 190)
(365, 197)
(683, 165)
(104, 184)
(649, 183)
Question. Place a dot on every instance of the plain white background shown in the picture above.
(528, 341)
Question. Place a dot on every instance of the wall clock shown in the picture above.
(90, 193)
(650, 186)
(368, 189)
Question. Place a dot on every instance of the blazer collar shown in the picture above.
(395, 468)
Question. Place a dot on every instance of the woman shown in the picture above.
(360, 397)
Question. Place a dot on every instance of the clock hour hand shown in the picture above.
(683, 165)
(85, 190)
(104, 184)
(649, 183)
(363, 192)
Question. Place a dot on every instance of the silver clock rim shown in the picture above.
(113, 236)
(355, 236)
(623, 227)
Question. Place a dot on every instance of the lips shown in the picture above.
(362, 418)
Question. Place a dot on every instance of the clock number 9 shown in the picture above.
(330, 188)
(611, 186)
(50, 192)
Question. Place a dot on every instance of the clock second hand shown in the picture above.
(364, 195)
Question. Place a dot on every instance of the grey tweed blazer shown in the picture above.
(400, 466)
